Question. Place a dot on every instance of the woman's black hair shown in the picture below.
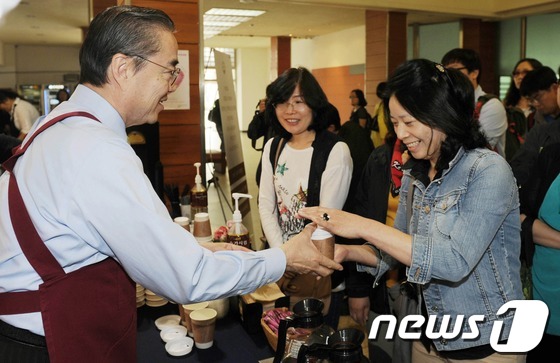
(513, 95)
(361, 98)
(442, 99)
(280, 91)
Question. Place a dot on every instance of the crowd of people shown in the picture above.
(464, 158)
(477, 225)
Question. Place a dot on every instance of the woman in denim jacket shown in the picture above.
(462, 242)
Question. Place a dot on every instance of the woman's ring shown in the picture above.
(326, 217)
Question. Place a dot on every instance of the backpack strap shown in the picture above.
(481, 101)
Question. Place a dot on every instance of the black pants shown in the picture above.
(21, 346)
(549, 345)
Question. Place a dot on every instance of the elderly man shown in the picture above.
(80, 221)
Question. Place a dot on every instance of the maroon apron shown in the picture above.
(89, 315)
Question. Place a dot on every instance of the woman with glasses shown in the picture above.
(513, 97)
(520, 111)
(305, 165)
(457, 223)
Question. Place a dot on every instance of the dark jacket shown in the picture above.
(371, 200)
(524, 162)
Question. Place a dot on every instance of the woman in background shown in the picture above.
(513, 97)
(306, 165)
(359, 113)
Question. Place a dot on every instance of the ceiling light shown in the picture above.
(217, 20)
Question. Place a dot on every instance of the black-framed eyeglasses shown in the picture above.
(174, 72)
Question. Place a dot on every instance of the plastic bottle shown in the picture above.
(199, 194)
(238, 234)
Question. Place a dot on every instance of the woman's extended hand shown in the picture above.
(335, 221)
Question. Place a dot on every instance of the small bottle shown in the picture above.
(238, 234)
(199, 194)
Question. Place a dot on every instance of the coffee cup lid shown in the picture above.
(196, 306)
(201, 217)
(180, 346)
(182, 220)
(203, 314)
(173, 332)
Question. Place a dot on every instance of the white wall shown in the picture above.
(46, 64)
(37, 64)
(346, 47)
(253, 75)
(8, 68)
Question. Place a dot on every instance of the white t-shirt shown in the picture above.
(283, 193)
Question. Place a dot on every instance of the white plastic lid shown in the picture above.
(167, 321)
(173, 332)
(183, 221)
(201, 217)
(320, 234)
(180, 346)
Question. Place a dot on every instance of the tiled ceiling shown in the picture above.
(60, 22)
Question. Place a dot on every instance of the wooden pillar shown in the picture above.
(281, 54)
(481, 36)
(180, 131)
(385, 48)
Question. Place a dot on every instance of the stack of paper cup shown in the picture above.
(154, 300)
(140, 295)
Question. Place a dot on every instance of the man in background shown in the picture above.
(22, 113)
(541, 89)
(490, 111)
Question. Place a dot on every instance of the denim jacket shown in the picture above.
(465, 231)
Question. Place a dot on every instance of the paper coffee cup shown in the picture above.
(185, 314)
(183, 222)
(201, 227)
(203, 322)
(324, 241)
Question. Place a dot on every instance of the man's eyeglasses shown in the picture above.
(298, 105)
(174, 72)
